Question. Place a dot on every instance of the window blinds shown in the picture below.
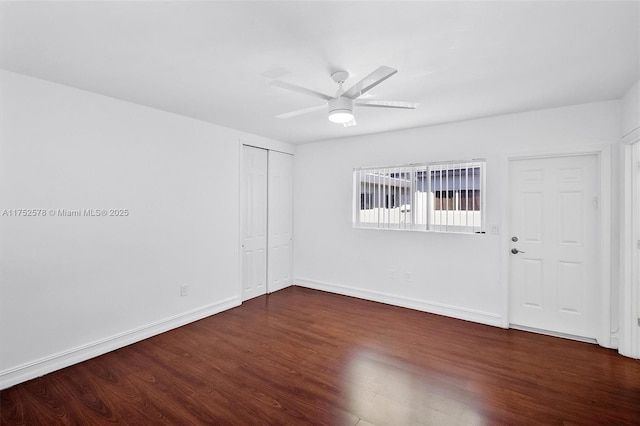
(443, 197)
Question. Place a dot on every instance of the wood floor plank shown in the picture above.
(301, 356)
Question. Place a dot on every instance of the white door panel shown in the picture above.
(635, 262)
(280, 266)
(254, 222)
(554, 217)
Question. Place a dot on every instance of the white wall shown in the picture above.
(457, 275)
(73, 287)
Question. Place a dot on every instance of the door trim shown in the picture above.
(628, 335)
(603, 157)
(240, 212)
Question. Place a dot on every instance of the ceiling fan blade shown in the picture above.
(301, 111)
(350, 123)
(299, 89)
(377, 103)
(370, 81)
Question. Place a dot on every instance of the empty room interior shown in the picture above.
(320, 212)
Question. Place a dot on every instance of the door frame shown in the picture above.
(628, 336)
(603, 246)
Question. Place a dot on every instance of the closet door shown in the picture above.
(254, 222)
(280, 222)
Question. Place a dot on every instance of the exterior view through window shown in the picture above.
(444, 197)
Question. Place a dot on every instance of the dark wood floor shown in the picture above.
(301, 356)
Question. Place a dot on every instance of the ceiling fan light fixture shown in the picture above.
(340, 116)
(340, 110)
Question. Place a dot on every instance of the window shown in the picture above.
(445, 197)
(384, 197)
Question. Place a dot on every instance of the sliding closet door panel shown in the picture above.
(254, 222)
(280, 223)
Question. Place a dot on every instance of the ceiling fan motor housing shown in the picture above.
(340, 104)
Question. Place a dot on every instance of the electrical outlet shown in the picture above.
(408, 276)
(184, 290)
(391, 274)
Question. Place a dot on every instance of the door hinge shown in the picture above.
(595, 202)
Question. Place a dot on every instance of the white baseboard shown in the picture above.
(273, 287)
(554, 334)
(473, 315)
(54, 362)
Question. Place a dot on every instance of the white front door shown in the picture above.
(280, 259)
(254, 222)
(554, 263)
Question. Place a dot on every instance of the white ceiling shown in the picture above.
(214, 60)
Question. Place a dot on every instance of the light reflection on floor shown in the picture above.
(385, 391)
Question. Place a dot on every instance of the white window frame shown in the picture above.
(422, 214)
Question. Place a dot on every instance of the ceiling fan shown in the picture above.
(341, 105)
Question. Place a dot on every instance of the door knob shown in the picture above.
(516, 251)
